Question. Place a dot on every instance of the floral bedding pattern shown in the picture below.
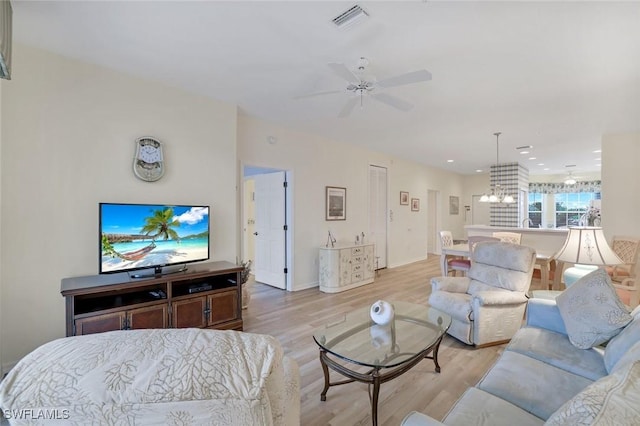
(173, 376)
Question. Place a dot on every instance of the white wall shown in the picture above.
(621, 185)
(68, 144)
(316, 163)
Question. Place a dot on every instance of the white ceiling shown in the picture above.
(554, 75)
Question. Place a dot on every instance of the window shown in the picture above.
(571, 206)
(535, 209)
(568, 208)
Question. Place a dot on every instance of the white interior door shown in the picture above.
(378, 213)
(270, 234)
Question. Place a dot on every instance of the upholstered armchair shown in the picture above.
(487, 306)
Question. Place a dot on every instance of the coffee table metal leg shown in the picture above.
(434, 353)
(374, 398)
(325, 369)
(435, 356)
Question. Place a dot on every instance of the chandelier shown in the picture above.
(497, 194)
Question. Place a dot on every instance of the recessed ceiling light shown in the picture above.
(546, 168)
(598, 159)
(598, 165)
(532, 158)
(479, 171)
(540, 164)
(524, 152)
(597, 151)
(449, 161)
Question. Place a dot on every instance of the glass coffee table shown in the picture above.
(386, 351)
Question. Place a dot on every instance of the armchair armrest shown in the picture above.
(418, 419)
(450, 284)
(628, 291)
(543, 313)
(485, 298)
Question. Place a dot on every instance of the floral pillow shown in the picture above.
(613, 400)
(592, 311)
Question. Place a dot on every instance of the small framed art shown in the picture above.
(404, 198)
(336, 203)
(454, 205)
(415, 204)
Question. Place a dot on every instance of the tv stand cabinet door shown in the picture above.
(155, 316)
(224, 307)
(190, 313)
(100, 323)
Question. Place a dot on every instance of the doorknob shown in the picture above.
(255, 233)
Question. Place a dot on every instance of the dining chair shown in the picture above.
(627, 250)
(508, 237)
(454, 263)
(475, 239)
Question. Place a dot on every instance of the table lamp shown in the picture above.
(587, 248)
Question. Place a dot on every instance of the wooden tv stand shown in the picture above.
(206, 295)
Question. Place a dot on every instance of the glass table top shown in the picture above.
(356, 338)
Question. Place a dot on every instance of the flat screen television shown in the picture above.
(151, 236)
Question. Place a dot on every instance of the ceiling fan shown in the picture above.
(361, 86)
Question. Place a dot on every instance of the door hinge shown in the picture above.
(286, 228)
(285, 184)
(74, 329)
(286, 270)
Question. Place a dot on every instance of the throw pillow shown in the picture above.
(591, 310)
(612, 400)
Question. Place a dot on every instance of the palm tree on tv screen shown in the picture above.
(160, 225)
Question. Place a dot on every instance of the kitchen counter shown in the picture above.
(544, 240)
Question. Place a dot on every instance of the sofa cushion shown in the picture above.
(532, 385)
(592, 311)
(612, 400)
(478, 407)
(555, 349)
(621, 343)
(126, 374)
(629, 357)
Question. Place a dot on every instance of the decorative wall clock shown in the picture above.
(148, 161)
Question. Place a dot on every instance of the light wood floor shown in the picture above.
(293, 316)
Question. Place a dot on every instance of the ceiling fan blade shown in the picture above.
(311, 95)
(385, 98)
(348, 107)
(408, 78)
(344, 72)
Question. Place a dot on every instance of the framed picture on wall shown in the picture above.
(336, 203)
(415, 204)
(454, 205)
(404, 198)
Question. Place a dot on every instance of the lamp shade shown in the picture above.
(586, 245)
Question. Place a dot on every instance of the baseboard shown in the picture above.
(307, 286)
(408, 262)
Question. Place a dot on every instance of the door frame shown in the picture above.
(386, 211)
(434, 219)
(289, 213)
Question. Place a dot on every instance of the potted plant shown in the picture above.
(244, 277)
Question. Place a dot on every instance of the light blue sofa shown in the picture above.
(541, 378)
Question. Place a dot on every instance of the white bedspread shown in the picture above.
(168, 377)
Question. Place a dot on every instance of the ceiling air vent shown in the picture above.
(350, 17)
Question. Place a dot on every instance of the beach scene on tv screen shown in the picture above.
(139, 236)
